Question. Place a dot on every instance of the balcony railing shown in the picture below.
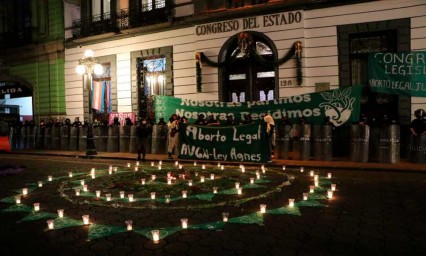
(127, 18)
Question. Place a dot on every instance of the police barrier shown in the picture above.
(389, 144)
(159, 139)
(113, 139)
(65, 137)
(103, 139)
(417, 149)
(360, 137)
(47, 142)
(56, 138)
(282, 141)
(24, 138)
(82, 140)
(301, 135)
(73, 144)
(323, 142)
(125, 138)
(373, 150)
(39, 137)
(132, 143)
(96, 132)
(31, 137)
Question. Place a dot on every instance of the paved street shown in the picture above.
(374, 212)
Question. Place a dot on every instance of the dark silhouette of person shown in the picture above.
(143, 130)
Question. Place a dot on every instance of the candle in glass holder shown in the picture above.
(251, 180)
(92, 171)
(98, 193)
(284, 167)
(184, 194)
(85, 188)
(155, 236)
(180, 167)
(82, 182)
(50, 224)
(225, 216)
(167, 197)
(329, 194)
(311, 173)
(128, 164)
(60, 213)
(160, 162)
(159, 167)
(305, 196)
(203, 166)
(108, 197)
(169, 174)
(196, 174)
(153, 195)
(329, 175)
(70, 174)
(214, 190)
(222, 167)
(184, 222)
(176, 163)
(130, 196)
(122, 193)
(262, 208)
(316, 183)
(153, 177)
(237, 185)
(49, 178)
(152, 163)
(263, 170)
(110, 170)
(333, 187)
(258, 175)
(136, 168)
(189, 182)
(311, 189)
(129, 225)
(77, 192)
(290, 202)
(17, 199)
(115, 169)
(36, 207)
(137, 163)
(302, 169)
(169, 181)
(93, 175)
(218, 164)
(201, 179)
(40, 184)
(143, 181)
(195, 163)
(212, 176)
(243, 169)
(85, 219)
(25, 191)
(239, 191)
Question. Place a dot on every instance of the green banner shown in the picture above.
(402, 73)
(242, 143)
(341, 105)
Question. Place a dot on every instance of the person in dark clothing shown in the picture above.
(128, 122)
(161, 121)
(418, 125)
(116, 122)
(247, 119)
(76, 122)
(143, 130)
(67, 122)
(230, 120)
(212, 121)
(200, 120)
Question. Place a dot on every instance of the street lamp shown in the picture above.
(89, 65)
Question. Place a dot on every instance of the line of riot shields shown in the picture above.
(380, 144)
(69, 138)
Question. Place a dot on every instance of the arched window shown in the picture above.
(245, 78)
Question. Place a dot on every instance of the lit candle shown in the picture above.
(153, 195)
(115, 169)
(25, 191)
(258, 175)
(195, 163)
(203, 166)
(160, 162)
(311, 189)
(155, 236)
(82, 182)
(184, 223)
(85, 219)
(329, 194)
(333, 187)
(239, 191)
(85, 188)
(77, 192)
(61, 213)
(50, 224)
(128, 164)
(214, 190)
(290, 202)
(93, 172)
(262, 208)
(36, 207)
(136, 168)
(93, 176)
(122, 193)
(243, 169)
(110, 168)
(167, 198)
(108, 197)
(311, 173)
(222, 167)
(129, 225)
(237, 185)
(49, 178)
(196, 174)
(169, 174)
(152, 163)
(17, 199)
(283, 167)
(137, 163)
(263, 170)
(305, 196)
(225, 216)
(98, 193)
(262, 166)
(189, 182)
(302, 169)
(40, 184)
(329, 175)
(169, 181)
(153, 177)
(176, 163)
(159, 167)
(70, 174)
(201, 179)
(143, 181)
(316, 183)
(252, 180)
(184, 192)
(130, 197)
(218, 164)
(110, 171)
(180, 167)
(212, 176)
